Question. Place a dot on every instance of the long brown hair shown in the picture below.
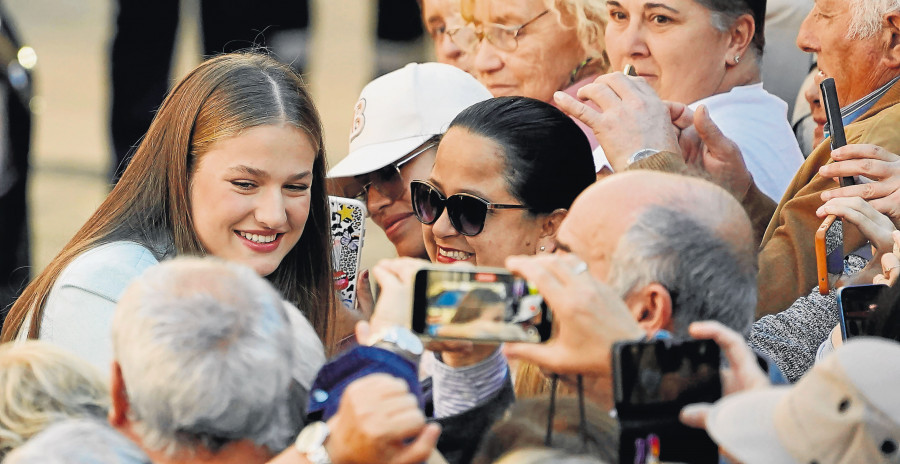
(151, 202)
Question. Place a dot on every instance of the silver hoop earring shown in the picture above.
(737, 59)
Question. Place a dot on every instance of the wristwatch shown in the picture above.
(311, 443)
(401, 341)
(641, 154)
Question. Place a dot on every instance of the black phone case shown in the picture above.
(678, 442)
(835, 123)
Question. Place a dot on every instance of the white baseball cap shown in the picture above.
(401, 110)
(844, 410)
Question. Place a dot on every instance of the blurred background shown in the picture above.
(71, 152)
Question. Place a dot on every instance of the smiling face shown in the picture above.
(396, 217)
(469, 163)
(250, 195)
(546, 54)
(849, 61)
(654, 35)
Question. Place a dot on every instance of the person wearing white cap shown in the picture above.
(397, 125)
(845, 410)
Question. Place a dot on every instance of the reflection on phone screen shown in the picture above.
(481, 306)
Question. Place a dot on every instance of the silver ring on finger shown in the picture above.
(580, 267)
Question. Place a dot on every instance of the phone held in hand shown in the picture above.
(835, 124)
(348, 222)
(860, 312)
(480, 304)
(829, 252)
(652, 382)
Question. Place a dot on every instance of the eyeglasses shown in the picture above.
(467, 212)
(387, 181)
(503, 37)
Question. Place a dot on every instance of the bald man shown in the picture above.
(665, 250)
(676, 249)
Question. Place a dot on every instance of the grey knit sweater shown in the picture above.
(792, 337)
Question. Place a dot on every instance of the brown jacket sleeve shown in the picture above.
(787, 259)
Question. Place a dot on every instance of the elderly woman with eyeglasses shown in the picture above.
(534, 48)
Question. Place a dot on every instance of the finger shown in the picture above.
(600, 94)
(863, 151)
(711, 135)
(363, 332)
(867, 191)
(385, 274)
(544, 355)
(873, 169)
(532, 269)
(682, 116)
(630, 87)
(694, 415)
(578, 110)
(421, 448)
(889, 265)
(731, 343)
(875, 226)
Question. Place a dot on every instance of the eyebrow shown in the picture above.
(562, 246)
(650, 6)
(259, 173)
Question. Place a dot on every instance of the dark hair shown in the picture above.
(548, 159)
(525, 426)
(725, 12)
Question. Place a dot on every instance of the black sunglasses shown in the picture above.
(467, 212)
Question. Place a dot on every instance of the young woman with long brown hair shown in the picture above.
(233, 166)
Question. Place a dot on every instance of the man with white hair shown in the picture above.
(203, 359)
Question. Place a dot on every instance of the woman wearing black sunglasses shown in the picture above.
(505, 173)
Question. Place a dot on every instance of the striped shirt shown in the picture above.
(456, 390)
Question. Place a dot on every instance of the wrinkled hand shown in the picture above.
(588, 317)
(742, 374)
(871, 161)
(705, 146)
(379, 421)
(890, 263)
(631, 116)
(875, 227)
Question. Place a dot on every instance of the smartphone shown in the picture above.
(348, 222)
(629, 70)
(479, 304)
(834, 124)
(652, 382)
(829, 251)
(859, 305)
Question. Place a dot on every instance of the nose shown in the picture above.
(487, 60)
(806, 38)
(270, 210)
(442, 227)
(375, 201)
(447, 50)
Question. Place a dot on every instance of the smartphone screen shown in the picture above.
(483, 304)
(653, 381)
(859, 306)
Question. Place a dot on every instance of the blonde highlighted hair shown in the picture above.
(41, 385)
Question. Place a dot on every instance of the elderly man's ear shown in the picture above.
(118, 411)
(651, 307)
(891, 39)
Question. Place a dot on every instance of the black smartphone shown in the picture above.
(834, 125)
(652, 381)
(478, 304)
(859, 305)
